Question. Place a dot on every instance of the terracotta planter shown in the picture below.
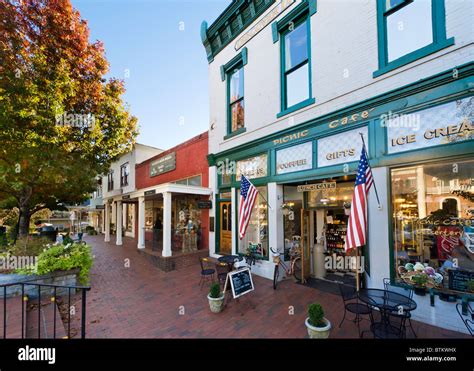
(318, 332)
(216, 304)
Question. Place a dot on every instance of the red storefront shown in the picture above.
(174, 200)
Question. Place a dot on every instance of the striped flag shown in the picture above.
(357, 225)
(248, 195)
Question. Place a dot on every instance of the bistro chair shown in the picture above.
(393, 329)
(405, 291)
(222, 269)
(207, 273)
(468, 322)
(352, 305)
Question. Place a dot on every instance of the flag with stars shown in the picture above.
(248, 195)
(357, 225)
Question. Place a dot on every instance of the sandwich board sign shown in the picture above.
(240, 282)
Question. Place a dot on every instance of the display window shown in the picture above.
(433, 224)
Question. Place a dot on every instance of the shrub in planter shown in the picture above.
(216, 298)
(66, 257)
(318, 326)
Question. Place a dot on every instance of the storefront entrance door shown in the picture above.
(225, 243)
(305, 244)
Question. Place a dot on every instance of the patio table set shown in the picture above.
(393, 303)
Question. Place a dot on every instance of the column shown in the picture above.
(166, 224)
(275, 217)
(235, 227)
(107, 222)
(141, 223)
(119, 225)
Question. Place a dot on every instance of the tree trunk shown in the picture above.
(24, 222)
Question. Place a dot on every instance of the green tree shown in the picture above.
(61, 122)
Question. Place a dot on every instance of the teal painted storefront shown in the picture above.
(450, 85)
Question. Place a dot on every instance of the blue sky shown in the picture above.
(164, 67)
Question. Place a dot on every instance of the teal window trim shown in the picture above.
(239, 61)
(299, 15)
(438, 15)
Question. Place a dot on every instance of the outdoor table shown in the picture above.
(387, 302)
(229, 260)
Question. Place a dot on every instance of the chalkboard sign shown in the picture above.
(458, 279)
(241, 282)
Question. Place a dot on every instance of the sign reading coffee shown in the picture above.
(295, 158)
(163, 164)
(447, 123)
(341, 148)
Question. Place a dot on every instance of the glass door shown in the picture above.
(225, 240)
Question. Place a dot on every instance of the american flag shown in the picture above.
(357, 224)
(248, 195)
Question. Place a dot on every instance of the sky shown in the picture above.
(155, 47)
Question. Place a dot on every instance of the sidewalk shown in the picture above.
(132, 299)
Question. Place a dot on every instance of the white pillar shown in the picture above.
(107, 222)
(234, 221)
(141, 223)
(119, 225)
(213, 211)
(166, 224)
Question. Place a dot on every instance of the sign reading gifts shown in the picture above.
(294, 158)
(341, 148)
(448, 123)
(254, 167)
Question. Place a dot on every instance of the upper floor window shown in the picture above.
(124, 172)
(409, 30)
(294, 33)
(191, 181)
(233, 73)
(110, 181)
(236, 98)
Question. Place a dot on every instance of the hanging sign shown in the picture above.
(316, 186)
(240, 282)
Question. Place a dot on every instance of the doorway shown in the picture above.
(225, 232)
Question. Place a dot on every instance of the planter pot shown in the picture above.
(420, 291)
(216, 304)
(318, 332)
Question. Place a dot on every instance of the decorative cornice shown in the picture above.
(235, 18)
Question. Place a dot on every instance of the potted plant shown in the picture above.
(216, 298)
(419, 281)
(318, 326)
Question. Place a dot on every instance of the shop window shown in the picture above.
(433, 218)
(257, 230)
(186, 224)
(129, 217)
(403, 38)
(291, 210)
(192, 181)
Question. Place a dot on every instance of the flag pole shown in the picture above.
(375, 186)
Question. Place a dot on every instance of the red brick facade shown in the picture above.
(191, 159)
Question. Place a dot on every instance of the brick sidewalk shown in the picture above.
(141, 301)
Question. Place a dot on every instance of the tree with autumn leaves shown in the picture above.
(50, 71)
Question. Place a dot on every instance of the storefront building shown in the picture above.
(116, 190)
(291, 90)
(173, 203)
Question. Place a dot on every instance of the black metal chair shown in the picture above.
(207, 273)
(469, 323)
(393, 329)
(222, 269)
(405, 291)
(352, 305)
